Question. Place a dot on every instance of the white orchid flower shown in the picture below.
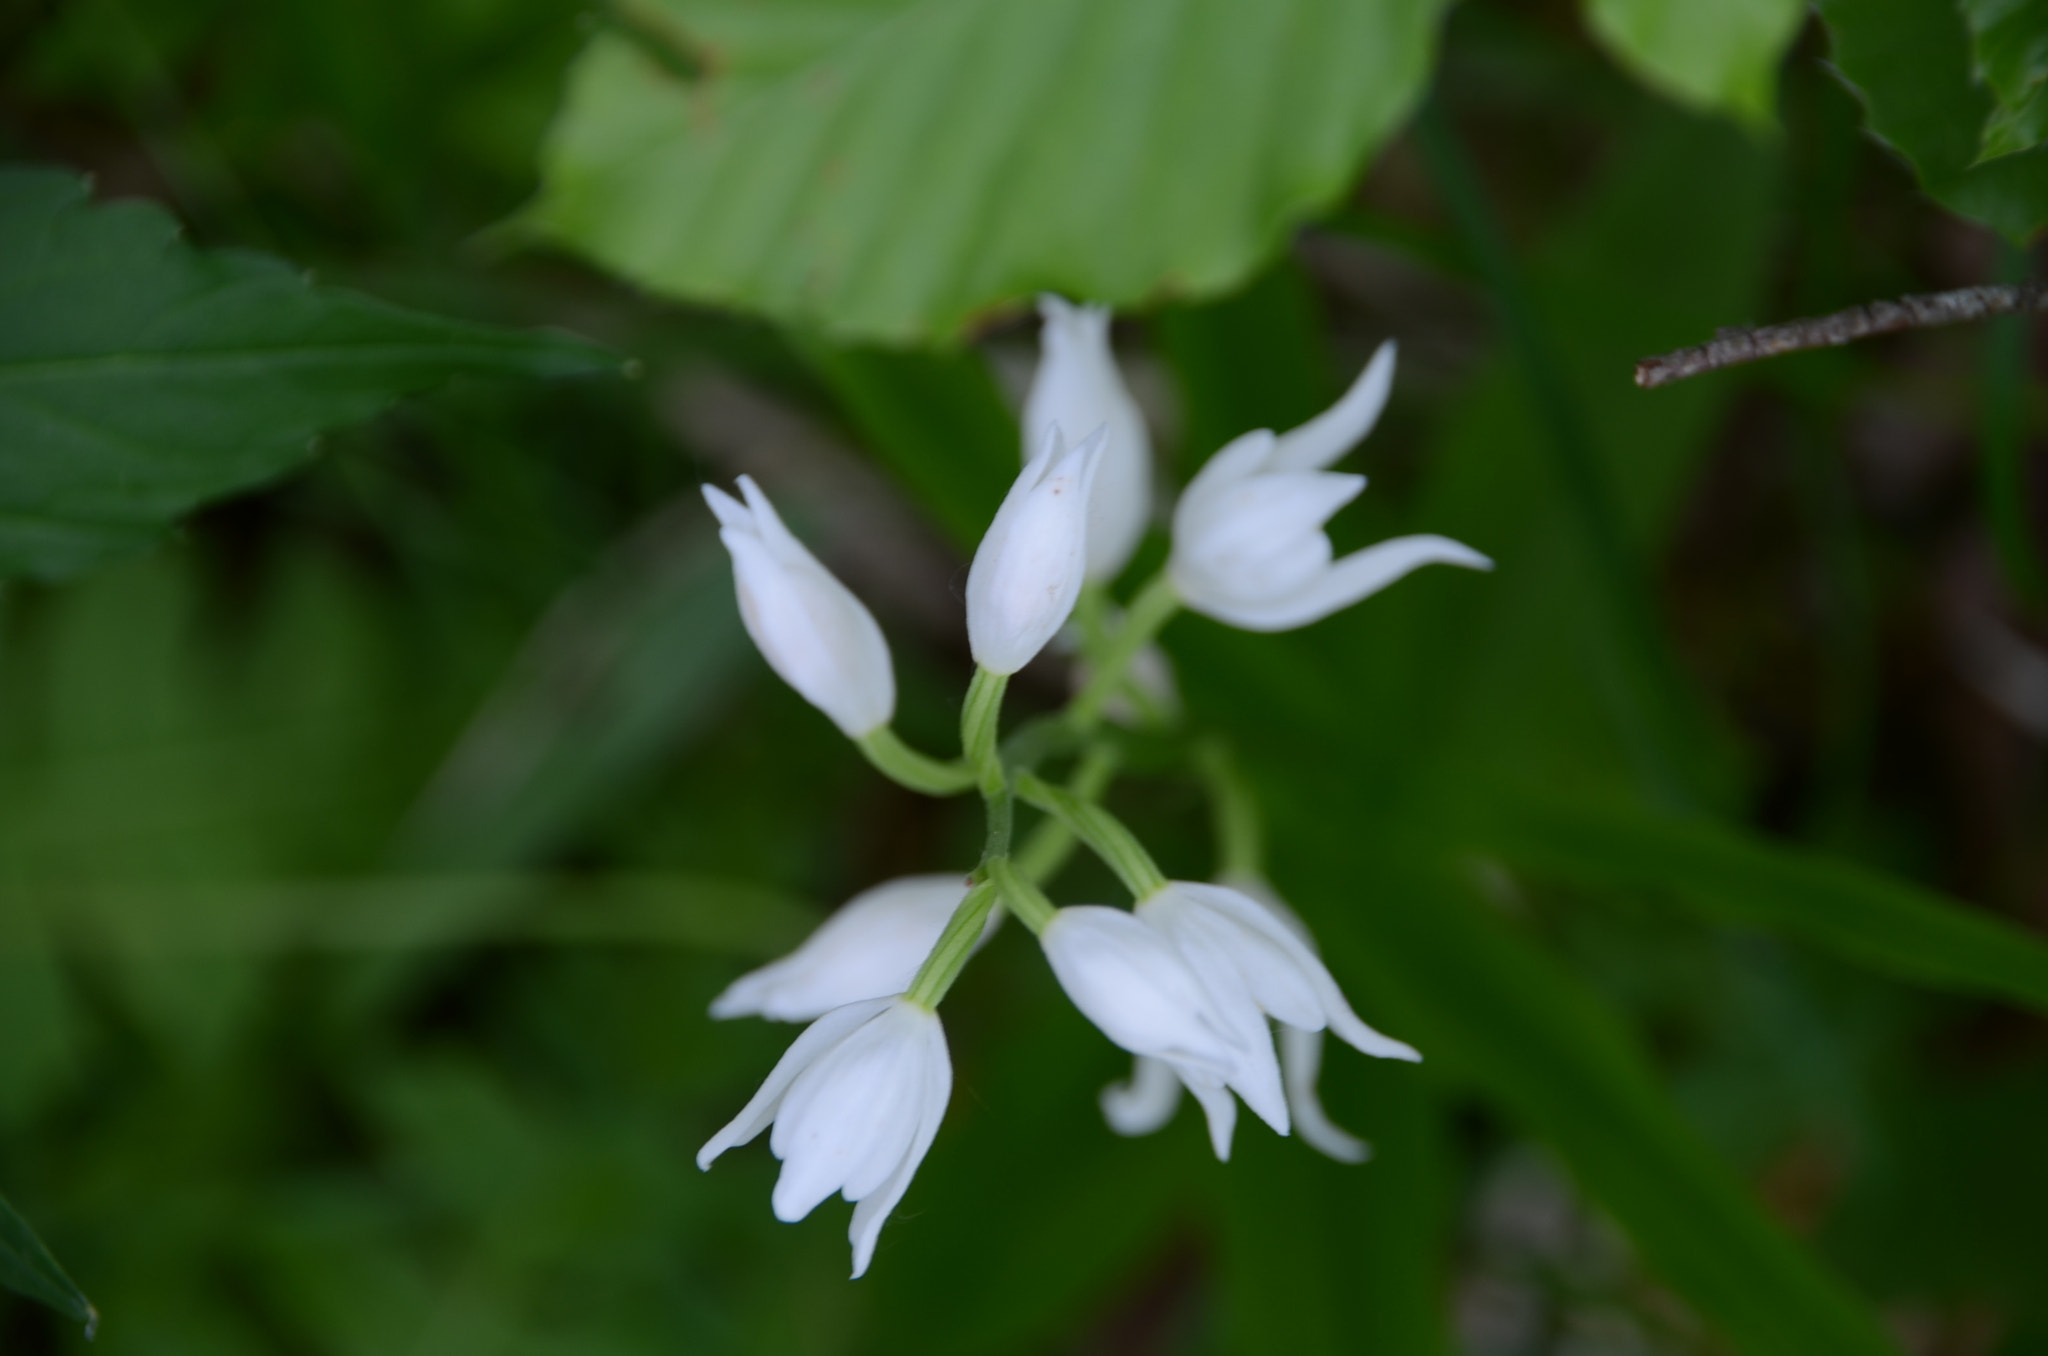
(870, 947)
(1027, 572)
(813, 632)
(1130, 979)
(1078, 387)
(1248, 543)
(855, 1102)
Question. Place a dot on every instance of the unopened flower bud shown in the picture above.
(1028, 569)
(1078, 387)
(813, 632)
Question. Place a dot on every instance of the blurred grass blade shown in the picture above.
(1722, 57)
(140, 377)
(629, 666)
(405, 914)
(1490, 1010)
(898, 171)
(1874, 920)
(27, 1268)
(2002, 463)
(934, 419)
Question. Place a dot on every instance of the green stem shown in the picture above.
(949, 955)
(1240, 834)
(1052, 842)
(1019, 895)
(905, 766)
(1102, 831)
(980, 718)
(1150, 610)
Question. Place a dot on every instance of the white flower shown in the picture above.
(1248, 543)
(1027, 571)
(1129, 979)
(870, 948)
(855, 1102)
(1255, 960)
(809, 628)
(1078, 387)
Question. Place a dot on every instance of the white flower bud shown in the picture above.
(810, 629)
(1078, 387)
(871, 947)
(1248, 543)
(1027, 571)
(855, 1102)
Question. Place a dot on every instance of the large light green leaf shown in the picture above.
(1720, 56)
(1911, 61)
(27, 1268)
(892, 170)
(1887, 924)
(140, 377)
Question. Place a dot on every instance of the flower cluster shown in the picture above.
(1194, 978)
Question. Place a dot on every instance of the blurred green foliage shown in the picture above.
(370, 851)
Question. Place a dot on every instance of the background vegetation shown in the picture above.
(383, 796)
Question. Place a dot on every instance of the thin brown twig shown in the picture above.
(1731, 346)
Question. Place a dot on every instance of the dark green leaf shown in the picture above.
(140, 377)
(891, 170)
(1911, 62)
(1887, 924)
(1488, 1009)
(27, 1268)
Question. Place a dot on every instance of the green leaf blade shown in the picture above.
(1721, 57)
(946, 159)
(140, 378)
(1889, 925)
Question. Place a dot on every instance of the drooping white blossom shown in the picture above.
(1078, 387)
(855, 1102)
(1248, 543)
(870, 947)
(1130, 979)
(1028, 570)
(812, 631)
(1147, 1101)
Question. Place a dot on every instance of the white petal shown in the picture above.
(1028, 570)
(1356, 576)
(1221, 1111)
(1146, 1102)
(1301, 1059)
(812, 1043)
(1078, 387)
(1210, 950)
(1132, 983)
(846, 1121)
(728, 510)
(1328, 436)
(871, 1211)
(1239, 459)
(871, 947)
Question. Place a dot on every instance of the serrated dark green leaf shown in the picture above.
(1890, 925)
(140, 377)
(27, 1268)
(1912, 64)
(891, 171)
